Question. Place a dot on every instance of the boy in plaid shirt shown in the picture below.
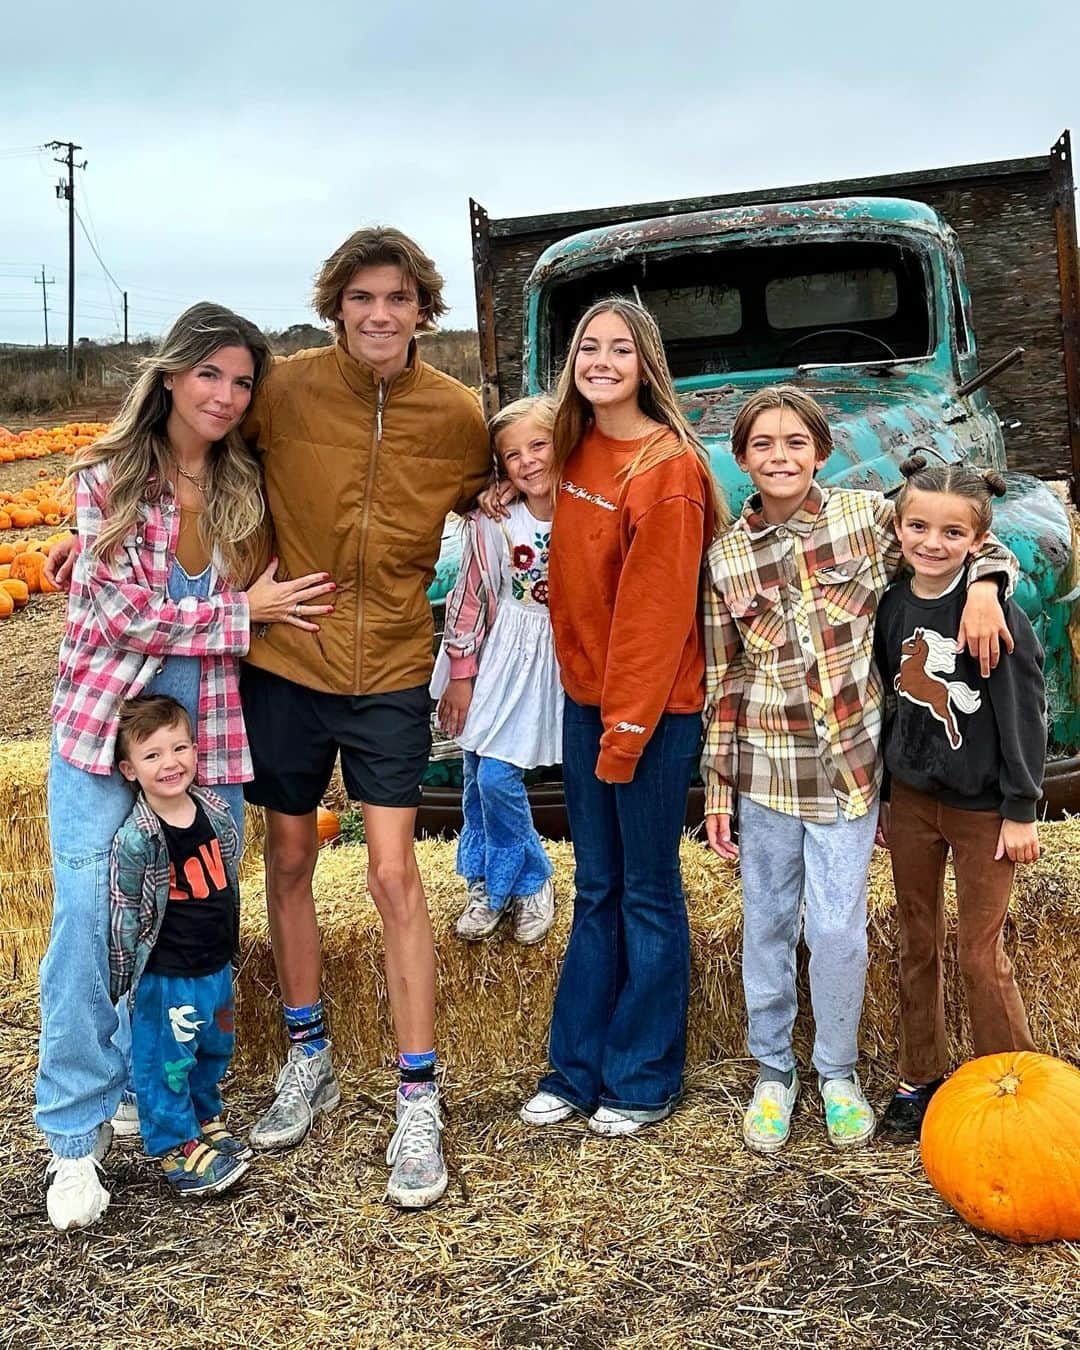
(793, 721)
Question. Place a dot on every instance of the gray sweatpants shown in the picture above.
(796, 873)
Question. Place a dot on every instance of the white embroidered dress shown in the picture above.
(499, 629)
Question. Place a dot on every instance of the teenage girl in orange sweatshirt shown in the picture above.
(636, 507)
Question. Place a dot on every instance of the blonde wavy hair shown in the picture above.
(656, 399)
(136, 446)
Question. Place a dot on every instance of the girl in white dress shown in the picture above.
(497, 682)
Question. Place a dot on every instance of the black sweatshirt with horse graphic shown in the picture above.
(976, 744)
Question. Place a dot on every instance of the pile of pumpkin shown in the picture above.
(22, 572)
(42, 441)
(47, 503)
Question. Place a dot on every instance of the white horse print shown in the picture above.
(925, 657)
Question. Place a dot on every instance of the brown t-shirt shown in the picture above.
(191, 553)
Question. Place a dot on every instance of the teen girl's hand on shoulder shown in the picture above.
(718, 830)
(1018, 841)
(495, 499)
(271, 601)
(454, 706)
(60, 563)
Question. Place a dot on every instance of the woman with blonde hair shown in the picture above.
(165, 590)
(636, 506)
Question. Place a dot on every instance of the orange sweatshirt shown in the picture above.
(624, 578)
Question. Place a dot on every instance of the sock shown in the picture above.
(417, 1072)
(306, 1026)
(767, 1074)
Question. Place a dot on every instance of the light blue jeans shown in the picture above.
(499, 843)
(796, 874)
(84, 1053)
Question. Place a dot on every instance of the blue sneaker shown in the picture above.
(217, 1134)
(196, 1169)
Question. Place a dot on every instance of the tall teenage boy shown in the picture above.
(793, 721)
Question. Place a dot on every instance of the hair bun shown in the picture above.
(995, 482)
(912, 464)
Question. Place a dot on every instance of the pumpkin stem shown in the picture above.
(1007, 1084)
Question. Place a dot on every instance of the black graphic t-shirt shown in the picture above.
(198, 933)
(975, 744)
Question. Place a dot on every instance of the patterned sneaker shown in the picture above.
(478, 920)
(849, 1117)
(903, 1117)
(125, 1121)
(534, 914)
(418, 1177)
(766, 1125)
(216, 1134)
(75, 1197)
(545, 1109)
(305, 1086)
(197, 1169)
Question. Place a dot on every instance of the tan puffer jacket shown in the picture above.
(360, 476)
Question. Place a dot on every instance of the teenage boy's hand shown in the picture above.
(60, 563)
(881, 837)
(454, 706)
(983, 627)
(718, 829)
(1018, 841)
(495, 498)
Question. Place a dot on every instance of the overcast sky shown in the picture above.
(232, 147)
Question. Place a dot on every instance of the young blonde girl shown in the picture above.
(964, 757)
(497, 681)
(636, 505)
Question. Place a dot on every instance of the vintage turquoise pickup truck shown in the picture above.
(859, 293)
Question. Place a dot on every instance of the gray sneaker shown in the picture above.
(418, 1177)
(305, 1086)
(478, 920)
(534, 914)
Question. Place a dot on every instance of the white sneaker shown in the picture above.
(849, 1117)
(534, 914)
(419, 1174)
(75, 1197)
(125, 1121)
(545, 1109)
(607, 1121)
(305, 1087)
(767, 1122)
(478, 920)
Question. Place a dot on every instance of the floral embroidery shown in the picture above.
(528, 578)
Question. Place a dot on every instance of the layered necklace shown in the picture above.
(197, 480)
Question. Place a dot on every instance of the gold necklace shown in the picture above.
(198, 482)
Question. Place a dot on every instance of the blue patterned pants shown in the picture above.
(499, 843)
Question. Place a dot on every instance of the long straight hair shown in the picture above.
(656, 398)
(136, 446)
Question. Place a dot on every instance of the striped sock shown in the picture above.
(306, 1026)
(417, 1071)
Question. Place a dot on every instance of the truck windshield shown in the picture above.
(782, 305)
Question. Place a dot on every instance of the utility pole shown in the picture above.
(44, 298)
(66, 192)
(125, 319)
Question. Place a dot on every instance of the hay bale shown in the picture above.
(495, 997)
(26, 887)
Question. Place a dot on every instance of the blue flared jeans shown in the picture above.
(498, 843)
(618, 1027)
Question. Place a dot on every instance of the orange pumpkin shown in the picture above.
(7, 605)
(29, 567)
(328, 826)
(18, 591)
(7, 553)
(1001, 1144)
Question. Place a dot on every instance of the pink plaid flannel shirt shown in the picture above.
(121, 625)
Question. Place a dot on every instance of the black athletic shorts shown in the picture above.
(295, 734)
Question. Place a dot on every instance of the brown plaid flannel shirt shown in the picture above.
(793, 700)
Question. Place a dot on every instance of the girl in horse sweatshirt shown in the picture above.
(964, 762)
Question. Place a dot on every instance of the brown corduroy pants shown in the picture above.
(921, 832)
